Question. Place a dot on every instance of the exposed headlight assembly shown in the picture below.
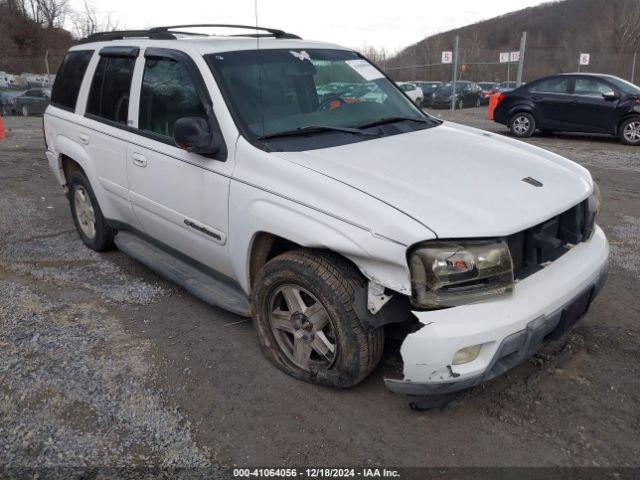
(591, 213)
(451, 273)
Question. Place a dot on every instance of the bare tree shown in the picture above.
(89, 20)
(47, 13)
(626, 25)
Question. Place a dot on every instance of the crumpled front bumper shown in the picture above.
(510, 329)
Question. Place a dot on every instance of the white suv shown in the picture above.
(330, 218)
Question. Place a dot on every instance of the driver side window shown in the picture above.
(168, 94)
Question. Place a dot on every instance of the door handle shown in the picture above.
(139, 160)
(84, 139)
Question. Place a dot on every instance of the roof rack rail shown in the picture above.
(170, 32)
(121, 34)
(270, 31)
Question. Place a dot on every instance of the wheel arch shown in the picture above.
(266, 246)
(626, 117)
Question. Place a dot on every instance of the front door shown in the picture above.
(589, 111)
(180, 198)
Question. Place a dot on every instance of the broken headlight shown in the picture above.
(450, 273)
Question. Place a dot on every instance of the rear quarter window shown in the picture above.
(69, 79)
(110, 89)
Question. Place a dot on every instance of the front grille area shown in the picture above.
(535, 247)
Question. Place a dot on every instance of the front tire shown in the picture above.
(87, 216)
(522, 125)
(629, 132)
(25, 111)
(460, 104)
(306, 323)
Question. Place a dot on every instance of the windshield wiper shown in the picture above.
(384, 121)
(313, 129)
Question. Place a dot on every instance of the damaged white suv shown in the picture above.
(292, 181)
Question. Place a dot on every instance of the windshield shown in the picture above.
(487, 86)
(273, 91)
(626, 87)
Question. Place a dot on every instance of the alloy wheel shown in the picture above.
(521, 124)
(84, 212)
(302, 327)
(632, 132)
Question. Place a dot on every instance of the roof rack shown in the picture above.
(170, 32)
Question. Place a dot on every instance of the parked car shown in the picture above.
(504, 87)
(329, 225)
(33, 102)
(468, 94)
(589, 103)
(427, 90)
(412, 91)
(488, 89)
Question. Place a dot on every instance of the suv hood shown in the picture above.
(456, 180)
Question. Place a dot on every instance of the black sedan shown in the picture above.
(589, 103)
(33, 102)
(468, 94)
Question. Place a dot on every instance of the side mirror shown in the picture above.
(194, 135)
(610, 96)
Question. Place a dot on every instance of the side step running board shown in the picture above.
(197, 282)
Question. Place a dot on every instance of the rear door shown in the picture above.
(589, 111)
(104, 131)
(181, 198)
(551, 98)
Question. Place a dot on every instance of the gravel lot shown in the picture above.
(104, 363)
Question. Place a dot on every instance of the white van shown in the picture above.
(212, 160)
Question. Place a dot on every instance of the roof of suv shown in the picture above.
(211, 44)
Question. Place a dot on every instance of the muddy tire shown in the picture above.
(306, 323)
(87, 216)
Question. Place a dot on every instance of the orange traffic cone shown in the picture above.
(2, 137)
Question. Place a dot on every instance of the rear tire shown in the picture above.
(522, 125)
(460, 104)
(87, 216)
(329, 347)
(25, 111)
(629, 132)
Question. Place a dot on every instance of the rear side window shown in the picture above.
(110, 88)
(551, 85)
(168, 94)
(69, 79)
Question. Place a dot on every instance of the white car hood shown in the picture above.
(456, 180)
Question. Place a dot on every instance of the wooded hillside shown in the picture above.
(557, 32)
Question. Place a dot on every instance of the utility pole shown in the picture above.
(455, 72)
(46, 63)
(523, 46)
(633, 67)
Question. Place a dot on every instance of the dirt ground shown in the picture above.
(104, 363)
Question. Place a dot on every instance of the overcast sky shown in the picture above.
(353, 23)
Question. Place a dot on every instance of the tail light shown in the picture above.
(501, 97)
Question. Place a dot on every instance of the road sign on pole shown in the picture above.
(504, 57)
(585, 58)
(514, 56)
(447, 57)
